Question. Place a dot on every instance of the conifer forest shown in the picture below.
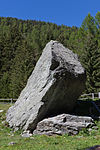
(22, 42)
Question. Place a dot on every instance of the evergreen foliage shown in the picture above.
(91, 64)
(22, 42)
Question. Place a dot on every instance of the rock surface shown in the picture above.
(1, 111)
(63, 124)
(11, 143)
(26, 134)
(53, 88)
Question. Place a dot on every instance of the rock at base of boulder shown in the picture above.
(63, 124)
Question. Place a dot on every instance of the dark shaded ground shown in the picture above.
(82, 108)
(96, 147)
(86, 108)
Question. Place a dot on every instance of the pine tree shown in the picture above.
(21, 68)
(91, 64)
(89, 25)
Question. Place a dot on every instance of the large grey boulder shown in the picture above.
(63, 124)
(53, 88)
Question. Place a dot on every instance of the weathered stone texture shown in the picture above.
(63, 124)
(53, 88)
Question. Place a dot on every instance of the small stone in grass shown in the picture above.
(26, 134)
(11, 143)
(1, 111)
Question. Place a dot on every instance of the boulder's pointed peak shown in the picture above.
(51, 43)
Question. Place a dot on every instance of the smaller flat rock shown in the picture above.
(63, 124)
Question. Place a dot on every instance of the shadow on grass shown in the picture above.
(86, 108)
(82, 108)
(96, 147)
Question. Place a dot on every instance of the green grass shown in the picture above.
(83, 140)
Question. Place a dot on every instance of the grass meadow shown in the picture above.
(10, 140)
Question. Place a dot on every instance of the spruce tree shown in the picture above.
(92, 64)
